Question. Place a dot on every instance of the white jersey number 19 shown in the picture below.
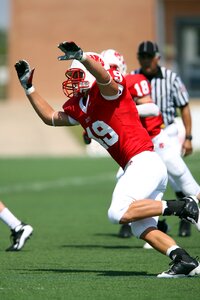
(105, 135)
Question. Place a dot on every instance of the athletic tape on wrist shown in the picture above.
(30, 90)
(52, 119)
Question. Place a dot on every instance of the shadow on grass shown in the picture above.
(107, 234)
(101, 247)
(98, 272)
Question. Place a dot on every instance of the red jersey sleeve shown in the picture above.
(117, 76)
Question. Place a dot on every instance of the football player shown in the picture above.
(140, 89)
(100, 101)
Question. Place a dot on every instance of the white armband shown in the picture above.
(148, 109)
(115, 97)
(52, 119)
(104, 84)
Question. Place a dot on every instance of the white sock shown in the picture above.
(172, 248)
(9, 219)
(164, 205)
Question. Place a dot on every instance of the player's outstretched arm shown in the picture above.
(107, 85)
(41, 106)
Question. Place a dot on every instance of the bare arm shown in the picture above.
(107, 86)
(145, 99)
(187, 121)
(44, 110)
(41, 106)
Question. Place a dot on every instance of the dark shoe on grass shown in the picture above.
(125, 231)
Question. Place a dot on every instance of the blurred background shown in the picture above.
(32, 29)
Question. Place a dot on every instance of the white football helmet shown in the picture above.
(99, 58)
(115, 59)
(79, 79)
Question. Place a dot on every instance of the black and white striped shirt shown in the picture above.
(168, 92)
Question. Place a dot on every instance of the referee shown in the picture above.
(169, 93)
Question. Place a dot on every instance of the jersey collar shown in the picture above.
(157, 75)
(84, 106)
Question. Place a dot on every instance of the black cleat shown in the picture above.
(190, 211)
(125, 231)
(19, 236)
(184, 228)
(162, 226)
(182, 268)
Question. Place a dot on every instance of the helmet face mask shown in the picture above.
(75, 83)
(79, 79)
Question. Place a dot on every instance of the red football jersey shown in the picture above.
(139, 87)
(115, 124)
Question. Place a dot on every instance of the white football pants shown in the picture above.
(145, 177)
(168, 148)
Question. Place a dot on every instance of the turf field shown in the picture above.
(74, 252)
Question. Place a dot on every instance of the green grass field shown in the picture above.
(74, 252)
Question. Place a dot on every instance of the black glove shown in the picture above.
(25, 74)
(71, 50)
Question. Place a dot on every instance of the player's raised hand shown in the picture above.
(25, 74)
(71, 51)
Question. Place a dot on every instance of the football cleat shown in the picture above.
(181, 268)
(163, 226)
(147, 246)
(184, 228)
(191, 211)
(19, 236)
(125, 231)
